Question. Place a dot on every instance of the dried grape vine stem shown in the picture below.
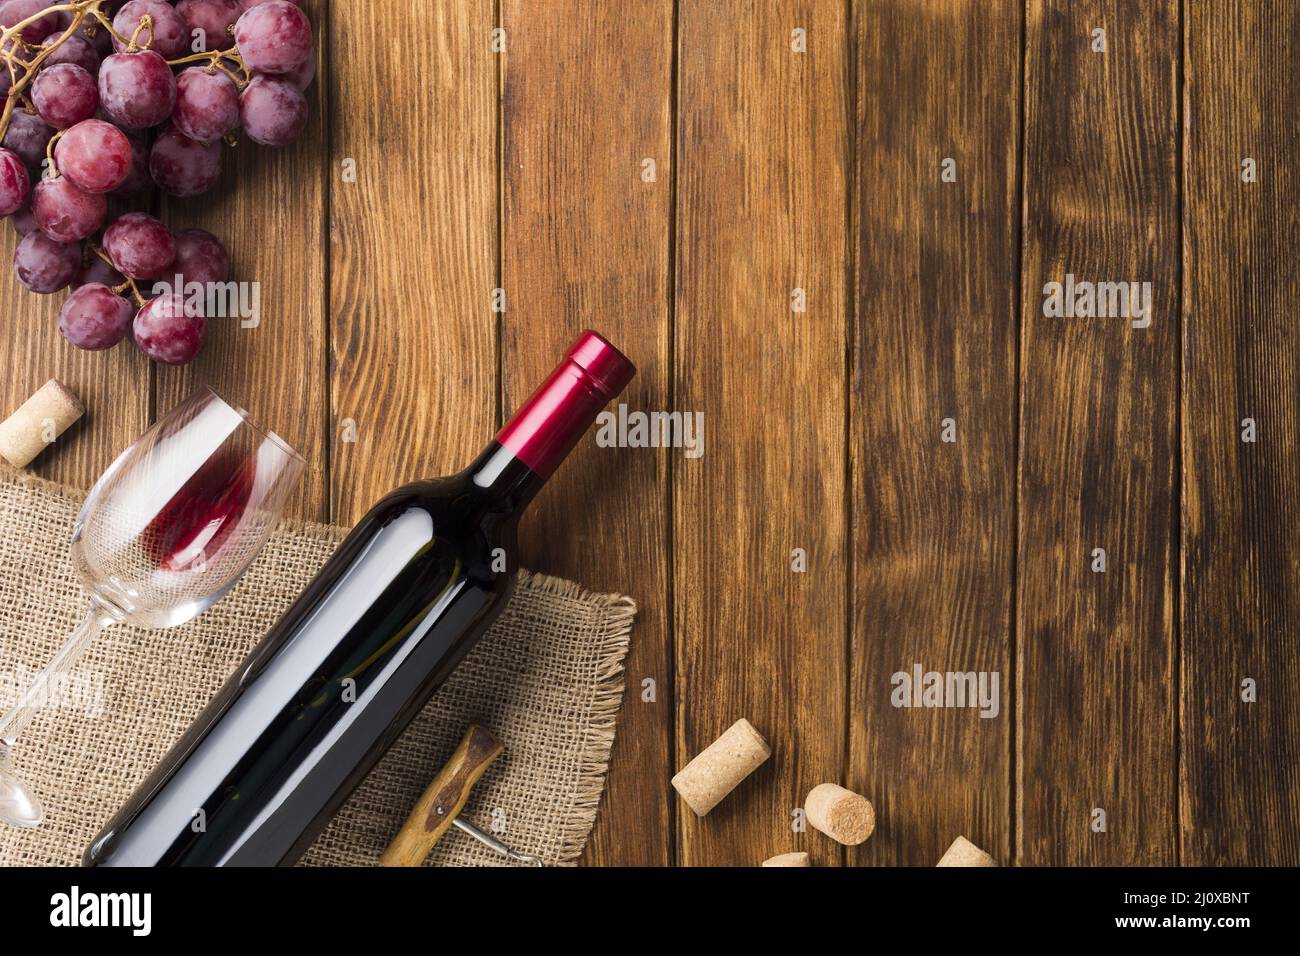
(51, 170)
(129, 283)
(11, 41)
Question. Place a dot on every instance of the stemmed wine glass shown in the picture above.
(167, 530)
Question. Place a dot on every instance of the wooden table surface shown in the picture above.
(834, 245)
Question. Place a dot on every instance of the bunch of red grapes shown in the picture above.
(103, 101)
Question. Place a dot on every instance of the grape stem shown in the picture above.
(128, 284)
(146, 23)
(52, 168)
(11, 41)
(22, 71)
(214, 60)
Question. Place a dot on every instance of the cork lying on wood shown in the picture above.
(38, 422)
(721, 766)
(844, 816)
(964, 853)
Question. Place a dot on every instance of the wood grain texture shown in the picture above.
(935, 335)
(413, 244)
(1241, 577)
(777, 170)
(276, 368)
(586, 98)
(762, 196)
(1099, 441)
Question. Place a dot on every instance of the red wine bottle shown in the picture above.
(306, 716)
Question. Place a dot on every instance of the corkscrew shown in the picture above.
(440, 805)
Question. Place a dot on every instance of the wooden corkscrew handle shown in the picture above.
(443, 799)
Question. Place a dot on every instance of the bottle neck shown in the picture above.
(548, 426)
(540, 435)
(505, 480)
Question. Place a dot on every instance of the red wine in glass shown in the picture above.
(190, 530)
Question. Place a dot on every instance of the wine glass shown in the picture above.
(167, 530)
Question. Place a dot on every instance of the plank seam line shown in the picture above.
(498, 323)
(850, 340)
(1014, 835)
(1184, 132)
(670, 576)
(327, 288)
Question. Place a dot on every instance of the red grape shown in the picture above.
(207, 105)
(139, 245)
(43, 265)
(28, 135)
(273, 37)
(90, 31)
(76, 50)
(166, 333)
(201, 258)
(249, 4)
(95, 155)
(183, 167)
(271, 111)
(300, 76)
(169, 32)
(15, 11)
(95, 317)
(15, 184)
(213, 17)
(65, 212)
(23, 221)
(97, 270)
(64, 95)
(136, 89)
(137, 180)
(94, 34)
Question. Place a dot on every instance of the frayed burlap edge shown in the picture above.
(598, 746)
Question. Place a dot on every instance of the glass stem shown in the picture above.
(16, 719)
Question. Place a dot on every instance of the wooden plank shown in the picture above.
(762, 200)
(1241, 579)
(934, 520)
(269, 210)
(1095, 703)
(587, 98)
(413, 244)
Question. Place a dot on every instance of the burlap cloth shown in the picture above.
(547, 679)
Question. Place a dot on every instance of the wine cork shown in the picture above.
(788, 859)
(720, 767)
(964, 853)
(844, 816)
(41, 419)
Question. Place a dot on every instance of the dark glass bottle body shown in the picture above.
(313, 708)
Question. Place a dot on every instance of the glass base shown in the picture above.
(19, 807)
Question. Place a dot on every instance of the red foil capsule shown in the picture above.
(547, 426)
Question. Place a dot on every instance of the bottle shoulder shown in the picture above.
(451, 510)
